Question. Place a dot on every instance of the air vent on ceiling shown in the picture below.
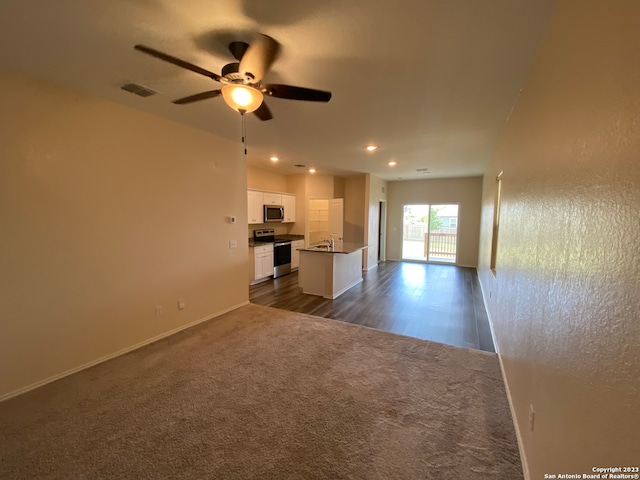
(421, 169)
(138, 89)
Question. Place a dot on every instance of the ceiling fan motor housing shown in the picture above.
(230, 71)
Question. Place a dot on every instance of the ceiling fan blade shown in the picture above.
(263, 112)
(197, 97)
(258, 58)
(295, 93)
(176, 61)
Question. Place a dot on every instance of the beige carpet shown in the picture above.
(261, 393)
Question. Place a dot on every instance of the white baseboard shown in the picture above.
(523, 456)
(66, 373)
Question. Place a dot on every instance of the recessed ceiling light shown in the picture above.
(312, 170)
(273, 158)
(392, 163)
(371, 148)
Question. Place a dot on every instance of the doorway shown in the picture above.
(382, 229)
(430, 233)
(324, 220)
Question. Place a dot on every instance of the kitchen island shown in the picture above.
(330, 271)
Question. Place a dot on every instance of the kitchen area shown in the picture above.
(327, 265)
(273, 250)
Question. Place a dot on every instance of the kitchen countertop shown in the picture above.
(339, 247)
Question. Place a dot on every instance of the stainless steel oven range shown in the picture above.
(281, 250)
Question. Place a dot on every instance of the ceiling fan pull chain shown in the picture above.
(244, 133)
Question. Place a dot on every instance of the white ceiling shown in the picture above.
(432, 82)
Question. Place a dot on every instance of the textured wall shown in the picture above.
(565, 301)
(107, 212)
(466, 192)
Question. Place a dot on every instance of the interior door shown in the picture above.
(336, 219)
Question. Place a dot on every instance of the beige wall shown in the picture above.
(339, 187)
(107, 212)
(354, 209)
(319, 186)
(565, 303)
(260, 179)
(375, 192)
(466, 192)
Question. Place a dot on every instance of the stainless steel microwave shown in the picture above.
(273, 213)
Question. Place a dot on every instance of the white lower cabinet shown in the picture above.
(261, 262)
(295, 254)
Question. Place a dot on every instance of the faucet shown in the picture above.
(329, 241)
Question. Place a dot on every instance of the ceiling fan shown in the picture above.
(243, 90)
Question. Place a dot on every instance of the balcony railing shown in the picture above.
(441, 245)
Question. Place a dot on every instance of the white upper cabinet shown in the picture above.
(256, 199)
(289, 204)
(255, 202)
(272, 198)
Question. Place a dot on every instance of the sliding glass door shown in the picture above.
(430, 233)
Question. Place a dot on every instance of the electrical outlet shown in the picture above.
(532, 417)
(181, 304)
(159, 311)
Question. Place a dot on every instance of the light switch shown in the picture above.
(233, 244)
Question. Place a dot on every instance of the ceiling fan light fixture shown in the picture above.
(242, 97)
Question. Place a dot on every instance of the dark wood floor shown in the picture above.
(433, 302)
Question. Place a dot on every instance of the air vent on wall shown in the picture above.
(138, 89)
